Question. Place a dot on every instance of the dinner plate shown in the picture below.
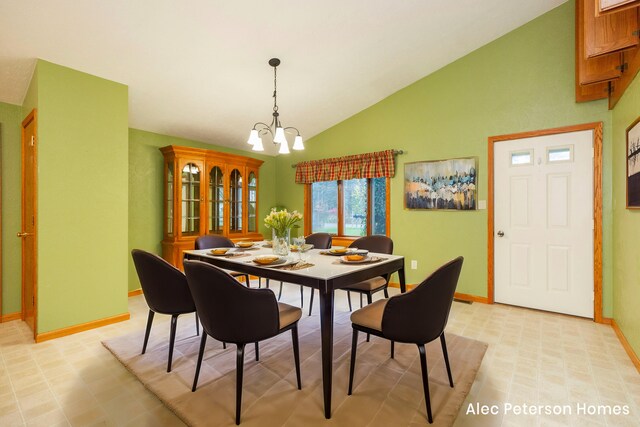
(344, 260)
(351, 251)
(229, 252)
(305, 247)
(280, 262)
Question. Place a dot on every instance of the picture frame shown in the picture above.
(633, 165)
(438, 185)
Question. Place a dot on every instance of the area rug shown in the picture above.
(386, 391)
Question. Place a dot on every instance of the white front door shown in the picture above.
(543, 222)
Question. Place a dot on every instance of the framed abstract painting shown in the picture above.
(633, 165)
(441, 185)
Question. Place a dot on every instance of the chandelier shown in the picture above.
(275, 129)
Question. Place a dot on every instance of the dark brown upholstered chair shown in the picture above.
(416, 317)
(379, 244)
(166, 291)
(210, 241)
(231, 313)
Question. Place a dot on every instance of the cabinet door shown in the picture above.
(215, 199)
(191, 196)
(631, 61)
(235, 199)
(589, 71)
(612, 6)
(169, 198)
(252, 200)
(608, 33)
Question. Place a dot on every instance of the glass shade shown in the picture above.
(253, 137)
(257, 145)
(297, 143)
(284, 147)
(279, 138)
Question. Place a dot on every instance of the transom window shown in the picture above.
(355, 207)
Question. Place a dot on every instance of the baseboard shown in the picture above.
(627, 347)
(136, 292)
(11, 316)
(397, 285)
(606, 320)
(46, 336)
(473, 298)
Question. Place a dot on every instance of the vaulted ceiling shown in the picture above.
(198, 69)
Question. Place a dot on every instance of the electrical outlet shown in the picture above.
(414, 264)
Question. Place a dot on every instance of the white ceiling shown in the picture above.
(198, 69)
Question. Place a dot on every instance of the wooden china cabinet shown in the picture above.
(207, 192)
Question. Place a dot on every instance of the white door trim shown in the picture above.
(597, 206)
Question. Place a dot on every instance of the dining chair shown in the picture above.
(416, 317)
(166, 291)
(319, 241)
(232, 313)
(378, 244)
(209, 241)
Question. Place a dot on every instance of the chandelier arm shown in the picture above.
(291, 127)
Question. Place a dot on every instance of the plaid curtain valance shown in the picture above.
(369, 165)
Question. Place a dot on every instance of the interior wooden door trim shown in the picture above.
(33, 193)
(597, 206)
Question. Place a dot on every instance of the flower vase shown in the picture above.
(280, 241)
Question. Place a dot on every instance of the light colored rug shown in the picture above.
(386, 391)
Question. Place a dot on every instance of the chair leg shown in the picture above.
(197, 324)
(172, 339)
(146, 334)
(386, 293)
(257, 352)
(203, 343)
(369, 301)
(266, 283)
(296, 354)
(349, 299)
(425, 380)
(259, 282)
(280, 292)
(311, 301)
(352, 366)
(302, 296)
(239, 372)
(393, 349)
(224, 345)
(446, 358)
(360, 300)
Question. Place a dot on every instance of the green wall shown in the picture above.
(10, 140)
(523, 81)
(626, 224)
(82, 197)
(146, 192)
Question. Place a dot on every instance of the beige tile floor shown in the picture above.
(534, 358)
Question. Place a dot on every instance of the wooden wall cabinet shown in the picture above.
(207, 192)
(605, 51)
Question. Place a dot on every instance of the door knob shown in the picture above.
(500, 233)
(23, 234)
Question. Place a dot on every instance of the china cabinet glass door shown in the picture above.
(191, 176)
(169, 201)
(216, 201)
(235, 202)
(252, 202)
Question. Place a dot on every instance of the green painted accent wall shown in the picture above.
(10, 140)
(626, 224)
(522, 81)
(82, 197)
(146, 191)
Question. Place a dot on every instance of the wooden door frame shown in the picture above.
(596, 127)
(31, 117)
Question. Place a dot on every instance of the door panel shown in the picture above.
(544, 212)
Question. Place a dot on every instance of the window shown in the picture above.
(355, 207)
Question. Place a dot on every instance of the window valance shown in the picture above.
(368, 165)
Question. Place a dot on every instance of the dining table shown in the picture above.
(317, 269)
